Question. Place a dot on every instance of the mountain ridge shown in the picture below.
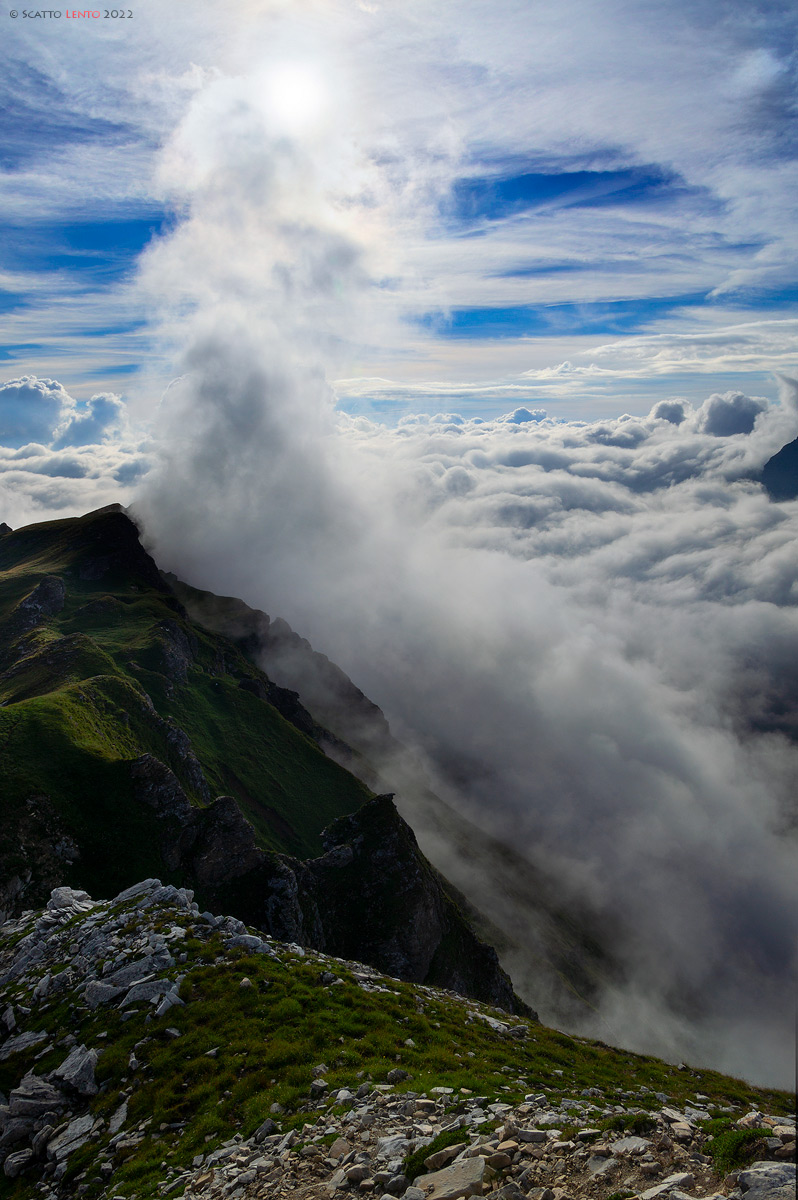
(124, 724)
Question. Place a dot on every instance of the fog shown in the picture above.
(584, 631)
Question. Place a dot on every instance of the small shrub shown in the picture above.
(414, 1163)
(733, 1148)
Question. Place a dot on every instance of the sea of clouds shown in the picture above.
(587, 631)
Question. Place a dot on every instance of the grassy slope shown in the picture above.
(75, 709)
(270, 1036)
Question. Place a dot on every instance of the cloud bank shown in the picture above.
(582, 628)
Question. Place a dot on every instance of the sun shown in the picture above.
(295, 96)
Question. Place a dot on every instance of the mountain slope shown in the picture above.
(148, 1049)
(133, 742)
(558, 954)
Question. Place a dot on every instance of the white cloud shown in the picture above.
(85, 448)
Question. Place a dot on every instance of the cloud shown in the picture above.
(723, 416)
(31, 410)
(45, 432)
(102, 415)
(577, 626)
(557, 616)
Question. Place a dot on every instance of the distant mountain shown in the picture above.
(780, 473)
(135, 742)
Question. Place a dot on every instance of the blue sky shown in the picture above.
(590, 207)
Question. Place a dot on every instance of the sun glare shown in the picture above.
(295, 96)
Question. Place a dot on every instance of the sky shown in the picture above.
(458, 337)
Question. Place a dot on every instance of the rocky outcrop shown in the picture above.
(372, 865)
(144, 957)
(780, 473)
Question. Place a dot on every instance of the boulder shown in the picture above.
(768, 1181)
(77, 1071)
(35, 1096)
(673, 1183)
(16, 1163)
(76, 1134)
(465, 1178)
(22, 1041)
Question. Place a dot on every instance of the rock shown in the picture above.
(33, 1097)
(98, 992)
(265, 1130)
(118, 1118)
(768, 1181)
(441, 1157)
(16, 1163)
(682, 1131)
(76, 1134)
(531, 1135)
(630, 1145)
(39, 1140)
(339, 1148)
(16, 1129)
(150, 990)
(671, 1184)
(510, 1191)
(598, 1165)
(391, 1147)
(466, 1178)
(77, 1071)
(69, 898)
(23, 1041)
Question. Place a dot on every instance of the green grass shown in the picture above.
(413, 1165)
(92, 688)
(731, 1148)
(270, 1037)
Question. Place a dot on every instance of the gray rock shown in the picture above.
(630, 1145)
(138, 889)
(16, 1163)
(768, 1181)
(118, 1118)
(77, 1071)
(598, 1165)
(510, 1191)
(673, 1183)
(391, 1147)
(16, 1129)
(39, 1140)
(150, 990)
(33, 1097)
(69, 898)
(99, 992)
(441, 1157)
(76, 1134)
(22, 1041)
(466, 1178)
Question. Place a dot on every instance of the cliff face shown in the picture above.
(121, 720)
